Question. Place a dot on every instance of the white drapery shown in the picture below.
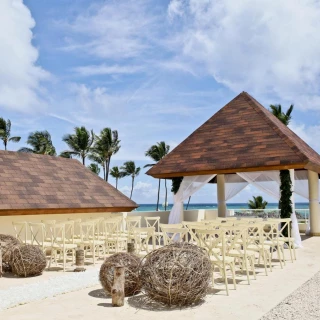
(233, 185)
(269, 182)
(188, 187)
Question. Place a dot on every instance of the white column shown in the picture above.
(222, 208)
(313, 181)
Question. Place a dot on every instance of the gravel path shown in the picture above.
(302, 304)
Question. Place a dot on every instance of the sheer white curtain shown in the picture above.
(188, 187)
(233, 185)
(269, 182)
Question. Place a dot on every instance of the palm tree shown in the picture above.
(94, 168)
(41, 143)
(129, 169)
(156, 153)
(65, 154)
(285, 204)
(5, 133)
(117, 174)
(98, 160)
(107, 144)
(80, 142)
(284, 117)
(257, 203)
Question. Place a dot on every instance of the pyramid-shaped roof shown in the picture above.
(242, 136)
(40, 184)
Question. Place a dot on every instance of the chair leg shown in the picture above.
(225, 279)
(279, 256)
(290, 249)
(247, 269)
(233, 275)
(294, 251)
(252, 268)
(265, 262)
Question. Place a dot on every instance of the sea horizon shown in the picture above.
(208, 206)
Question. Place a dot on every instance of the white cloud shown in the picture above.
(310, 134)
(104, 69)
(20, 77)
(141, 190)
(114, 29)
(266, 47)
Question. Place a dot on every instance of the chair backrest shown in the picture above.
(284, 224)
(112, 228)
(172, 235)
(133, 222)
(192, 226)
(173, 225)
(38, 233)
(153, 222)
(76, 226)
(87, 231)
(142, 238)
(69, 231)
(21, 230)
(256, 235)
(57, 232)
(236, 239)
(211, 240)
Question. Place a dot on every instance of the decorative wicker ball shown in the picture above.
(8, 243)
(131, 263)
(176, 275)
(28, 261)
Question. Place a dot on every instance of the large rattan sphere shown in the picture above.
(28, 261)
(176, 275)
(8, 243)
(131, 263)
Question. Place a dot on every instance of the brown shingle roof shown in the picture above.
(31, 183)
(242, 136)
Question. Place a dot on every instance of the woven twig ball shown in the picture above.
(131, 263)
(28, 261)
(176, 275)
(8, 243)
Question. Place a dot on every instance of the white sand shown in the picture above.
(303, 304)
(246, 303)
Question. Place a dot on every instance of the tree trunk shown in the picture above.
(166, 197)
(108, 168)
(5, 145)
(83, 160)
(117, 290)
(158, 195)
(104, 171)
(132, 187)
(188, 203)
(117, 183)
(106, 164)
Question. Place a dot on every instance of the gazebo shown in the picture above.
(245, 139)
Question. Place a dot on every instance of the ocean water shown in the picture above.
(194, 206)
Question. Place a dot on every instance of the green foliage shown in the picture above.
(94, 168)
(117, 174)
(285, 204)
(129, 169)
(106, 145)
(5, 133)
(176, 184)
(41, 143)
(157, 152)
(257, 203)
(284, 117)
(80, 142)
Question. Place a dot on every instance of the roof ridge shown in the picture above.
(259, 108)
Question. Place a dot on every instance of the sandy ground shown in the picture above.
(303, 304)
(247, 302)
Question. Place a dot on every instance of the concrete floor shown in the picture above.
(247, 302)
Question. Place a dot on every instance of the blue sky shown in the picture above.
(155, 70)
